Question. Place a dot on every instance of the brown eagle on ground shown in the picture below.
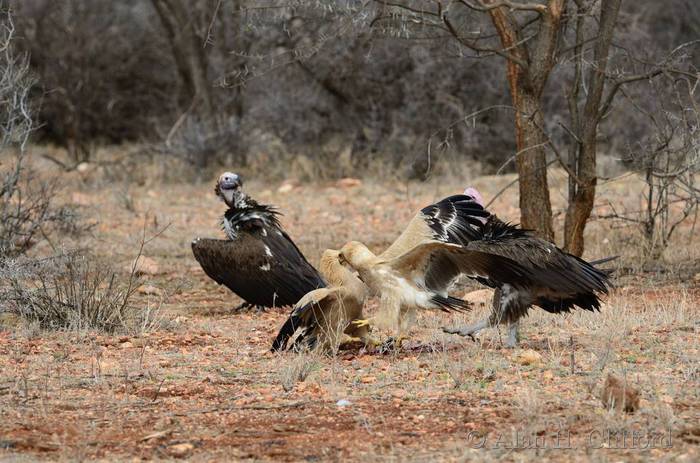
(322, 319)
(258, 261)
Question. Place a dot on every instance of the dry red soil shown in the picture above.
(203, 385)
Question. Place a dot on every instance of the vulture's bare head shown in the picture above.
(228, 188)
(356, 255)
(475, 195)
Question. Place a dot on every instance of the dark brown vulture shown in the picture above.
(259, 261)
(556, 280)
(457, 236)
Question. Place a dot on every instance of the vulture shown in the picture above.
(457, 236)
(258, 261)
(322, 317)
(557, 281)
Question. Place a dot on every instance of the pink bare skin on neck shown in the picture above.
(474, 193)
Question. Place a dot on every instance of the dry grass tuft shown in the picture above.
(73, 291)
(297, 369)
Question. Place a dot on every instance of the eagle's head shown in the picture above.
(356, 254)
(228, 188)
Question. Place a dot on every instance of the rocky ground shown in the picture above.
(199, 381)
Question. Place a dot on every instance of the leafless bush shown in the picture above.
(74, 291)
(668, 159)
(203, 141)
(27, 210)
(103, 72)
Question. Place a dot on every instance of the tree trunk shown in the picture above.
(582, 189)
(528, 72)
(188, 53)
(531, 161)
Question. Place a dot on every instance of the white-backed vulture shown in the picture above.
(321, 319)
(258, 261)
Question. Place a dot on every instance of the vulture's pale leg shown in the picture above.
(513, 336)
(390, 306)
(469, 330)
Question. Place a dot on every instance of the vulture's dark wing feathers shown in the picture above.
(455, 219)
(558, 281)
(263, 269)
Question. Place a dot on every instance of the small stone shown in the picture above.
(529, 357)
(180, 450)
(343, 403)
(81, 199)
(285, 188)
(620, 395)
(349, 182)
(368, 379)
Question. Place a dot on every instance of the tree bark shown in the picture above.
(531, 162)
(582, 189)
(526, 85)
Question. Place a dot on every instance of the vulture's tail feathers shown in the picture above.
(603, 260)
(586, 301)
(450, 303)
(606, 271)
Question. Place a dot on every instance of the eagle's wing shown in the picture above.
(434, 265)
(263, 270)
(455, 219)
(308, 316)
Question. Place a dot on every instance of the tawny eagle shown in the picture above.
(258, 261)
(322, 318)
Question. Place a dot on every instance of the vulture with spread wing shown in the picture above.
(258, 261)
(321, 319)
(457, 236)
(557, 281)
